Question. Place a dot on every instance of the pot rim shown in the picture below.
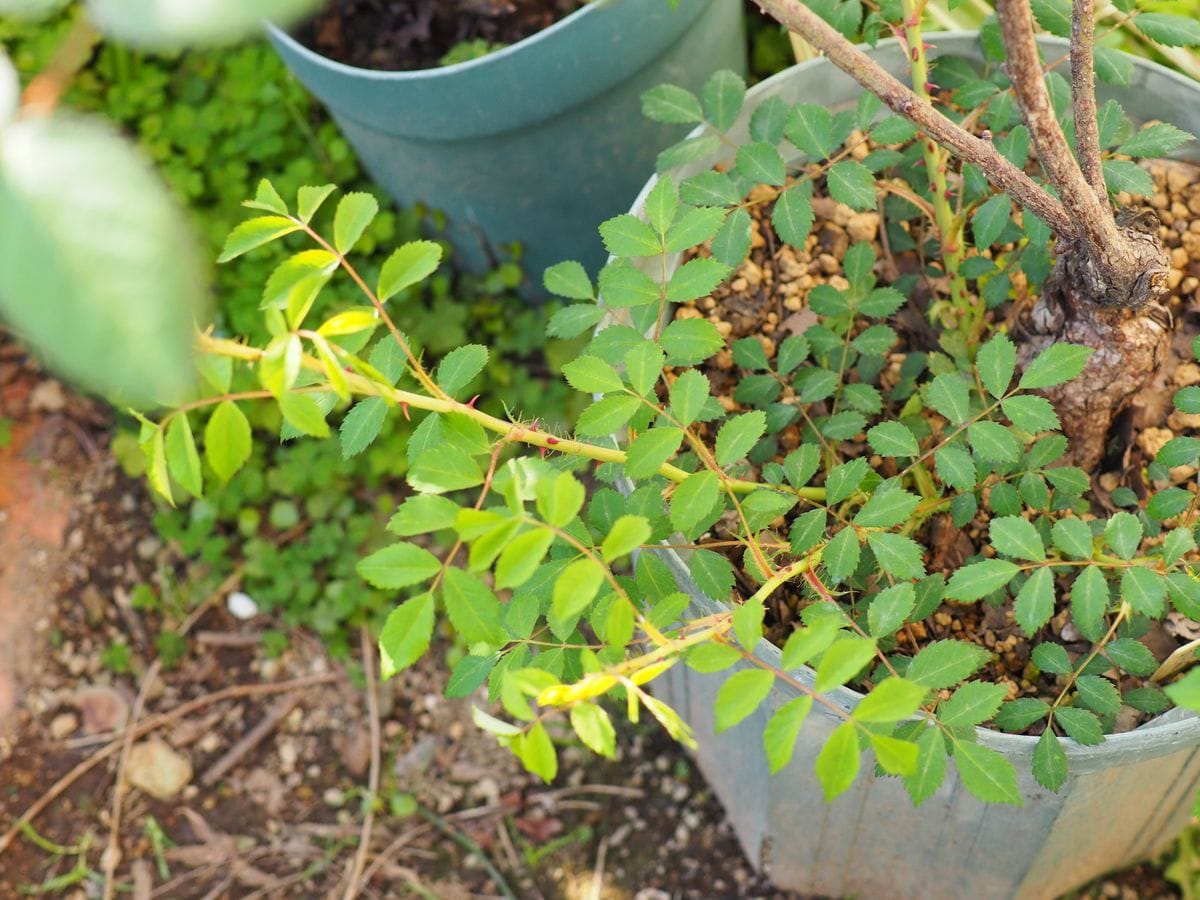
(549, 33)
(1172, 730)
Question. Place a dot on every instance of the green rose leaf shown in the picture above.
(950, 396)
(460, 366)
(721, 98)
(810, 128)
(852, 183)
(738, 435)
(971, 704)
(986, 773)
(898, 555)
(889, 609)
(650, 450)
(626, 535)
(837, 763)
(592, 375)
(1030, 413)
(994, 442)
(1169, 29)
(473, 609)
(227, 439)
(945, 663)
(1098, 694)
(930, 770)
(889, 506)
(1057, 364)
(996, 363)
(841, 555)
(354, 213)
(1017, 537)
(1145, 591)
(1049, 762)
(893, 439)
(398, 565)
(410, 263)
(521, 557)
(1081, 725)
(568, 279)
(760, 162)
(406, 635)
(695, 279)
(183, 460)
(693, 499)
(956, 468)
(627, 235)
(892, 701)
(793, 215)
(979, 579)
(671, 104)
(1035, 601)
(1073, 537)
(780, 733)
(843, 660)
(739, 696)
(694, 227)
(1124, 534)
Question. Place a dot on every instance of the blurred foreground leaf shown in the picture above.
(98, 272)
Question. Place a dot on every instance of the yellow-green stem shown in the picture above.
(513, 431)
(722, 624)
(961, 314)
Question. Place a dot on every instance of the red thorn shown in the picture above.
(916, 54)
(404, 409)
(471, 402)
(930, 87)
(551, 441)
(533, 425)
(542, 452)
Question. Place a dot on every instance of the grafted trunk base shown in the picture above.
(1129, 343)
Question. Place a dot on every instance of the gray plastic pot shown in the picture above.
(1124, 799)
(538, 142)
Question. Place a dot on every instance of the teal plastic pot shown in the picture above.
(538, 142)
(1124, 799)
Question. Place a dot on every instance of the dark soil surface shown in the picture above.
(417, 34)
(765, 300)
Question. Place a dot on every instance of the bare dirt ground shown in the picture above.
(244, 774)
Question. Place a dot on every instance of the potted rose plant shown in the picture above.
(822, 474)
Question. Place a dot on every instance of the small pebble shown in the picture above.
(333, 797)
(61, 726)
(241, 605)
